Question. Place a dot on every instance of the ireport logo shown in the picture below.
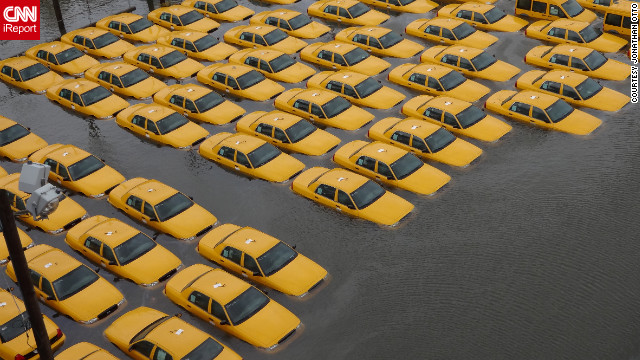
(20, 20)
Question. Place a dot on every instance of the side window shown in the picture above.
(285, 25)
(217, 310)
(232, 83)
(539, 114)
(449, 119)
(524, 4)
(62, 171)
(189, 105)
(317, 111)
(138, 121)
(264, 129)
(125, 29)
(105, 76)
(260, 40)
(613, 19)
(177, 100)
(555, 10)
(114, 25)
(47, 288)
(345, 200)
(334, 86)
(280, 135)
(89, 43)
(557, 32)
(417, 78)
(52, 164)
(418, 143)
(135, 202)
(578, 64)
(570, 92)
(539, 7)
(6, 70)
(76, 99)
(573, 36)
(35, 278)
(383, 169)
(327, 191)
(107, 253)
(331, 9)
(242, 159)
(464, 14)
(144, 58)
(165, 16)
(448, 34)
(551, 86)
(20, 204)
(434, 84)
(302, 105)
(151, 126)
(143, 347)
(148, 210)
(65, 94)
(433, 113)
(477, 17)
(200, 300)
(366, 162)
(116, 81)
(177, 42)
(338, 59)
(520, 108)
(373, 42)
(344, 13)
(227, 152)
(466, 64)
(52, 59)
(155, 62)
(93, 244)
(212, 9)
(219, 77)
(42, 54)
(232, 254)
(271, 21)
(200, 5)
(350, 91)
(401, 137)
(176, 20)
(264, 66)
(450, 59)
(325, 55)
(246, 36)
(161, 355)
(189, 46)
(16, 75)
(251, 61)
(360, 38)
(251, 264)
(559, 59)
(433, 30)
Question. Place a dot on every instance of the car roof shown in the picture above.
(341, 3)
(174, 9)
(126, 18)
(277, 118)
(10, 306)
(378, 150)
(251, 241)
(571, 50)
(264, 54)
(155, 50)
(66, 154)
(416, 127)
(261, 29)
(436, 71)
(52, 263)
(448, 104)
(375, 31)
(19, 62)
(153, 111)
(53, 47)
(117, 68)
(535, 98)
(89, 32)
(177, 336)
(79, 86)
(112, 232)
(565, 77)
(569, 24)
(448, 23)
(187, 35)
(286, 14)
(242, 142)
(233, 70)
(481, 8)
(152, 191)
(338, 47)
(467, 52)
(347, 77)
(219, 285)
(317, 96)
(10, 183)
(190, 91)
(342, 179)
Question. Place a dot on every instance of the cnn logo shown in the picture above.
(24, 13)
(20, 20)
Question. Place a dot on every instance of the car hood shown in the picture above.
(607, 43)
(384, 98)
(217, 52)
(608, 100)
(498, 71)
(405, 49)
(458, 153)
(316, 143)
(387, 210)
(123, 329)
(91, 301)
(99, 181)
(311, 31)
(42, 82)
(469, 91)
(203, 25)
(189, 222)
(478, 40)
(612, 69)
(79, 65)
(371, 17)
(426, 180)
(224, 113)
(371, 66)
(297, 277)
(351, 119)
(488, 129)
(268, 326)
(24, 344)
(295, 73)
(263, 90)
(67, 211)
(152, 265)
(146, 88)
(24, 147)
(508, 23)
(116, 49)
(280, 169)
(579, 123)
(185, 135)
(183, 69)
(108, 106)
(150, 34)
(289, 45)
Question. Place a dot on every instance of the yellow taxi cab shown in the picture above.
(220, 10)
(437, 80)
(603, 5)
(78, 170)
(197, 45)
(575, 32)
(292, 22)
(273, 64)
(97, 42)
(146, 334)
(16, 333)
(3, 172)
(86, 97)
(390, 165)
(449, 31)
(426, 140)
(68, 286)
(85, 351)
(358, 88)
(617, 19)
(264, 36)
(470, 61)
(545, 111)
(123, 250)
(62, 57)
(179, 17)
(65, 216)
(483, 16)
(409, 6)
(199, 103)
(125, 79)
(287, 131)
(457, 116)
(163, 60)
(161, 124)
(25, 241)
(251, 156)
(323, 107)
(380, 41)
(350, 12)
(261, 258)
(338, 55)
(132, 27)
(352, 194)
(579, 59)
(576, 89)
(28, 74)
(240, 80)
(555, 9)
(232, 305)
(162, 208)
(17, 142)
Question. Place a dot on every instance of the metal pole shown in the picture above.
(19, 263)
(56, 9)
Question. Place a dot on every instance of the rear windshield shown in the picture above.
(12, 133)
(133, 77)
(104, 40)
(366, 194)
(94, 95)
(171, 122)
(85, 167)
(559, 110)
(263, 154)
(439, 140)
(14, 327)
(33, 71)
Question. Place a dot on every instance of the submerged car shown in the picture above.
(87, 97)
(409, 6)
(379, 41)
(85, 351)
(351, 12)
(273, 64)
(220, 10)
(338, 55)
(17, 142)
(240, 80)
(132, 27)
(198, 45)
(28, 74)
(575, 32)
(163, 60)
(450, 32)
(179, 17)
(97, 42)
(125, 79)
(264, 36)
(483, 16)
(25, 243)
(61, 57)
(292, 22)
(470, 61)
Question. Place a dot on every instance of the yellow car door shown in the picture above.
(91, 249)
(232, 259)
(133, 207)
(344, 203)
(324, 194)
(242, 163)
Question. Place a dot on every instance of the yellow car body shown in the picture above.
(602, 6)
(350, 12)
(352, 194)
(78, 170)
(16, 332)
(240, 80)
(483, 16)
(358, 88)
(86, 97)
(28, 74)
(390, 165)
(450, 32)
(214, 295)
(555, 9)
(97, 42)
(264, 36)
(292, 22)
(323, 107)
(426, 140)
(250, 156)
(198, 45)
(288, 132)
(576, 89)
(409, 6)
(17, 142)
(163, 60)
(338, 55)
(162, 208)
(457, 116)
(85, 351)
(132, 27)
(161, 124)
(125, 79)
(576, 33)
(68, 286)
(25, 241)
(470, 61)
(199, 103)
(437, 80)
(65, 216)
(273, 64)
(123, 250)
(536, 108)
(62, 57)
(379, 41)
(220, 10)
(145, 334)
(261, 258)
(179, 17)
(580, 59)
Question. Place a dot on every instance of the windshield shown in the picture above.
(226, 5)
(209, 101)
(406, 165)
(559, 110)
(590, 33)
(33, 71)
(439, 140)
(246, 305)
(470, 116)
(451, 80)
(275, 36)
(572, 8)
(84, 167)
(483, 61)
(389, 39)
(335, 106)
(281, 62)
(263, 154)
(172, 58)
(68, 55)
(190, 17)
(355, 56)
(133, 248)
(463, 30)
(299, 21)
(133, 77)
(358, 9)
(104, 40)
(249, 79)
(14, 327)
(300, 130)
(494, 15)
(171, 122)
(595, 60)
(208, 350)
(205, 42)
(12, 133)
(140, 25)
(276, 258)
(366, 194)
(368, 87)
(94, 95)
(74, 281)
(172, 206)
(588, 88)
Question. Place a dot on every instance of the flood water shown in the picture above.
(531, 253)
